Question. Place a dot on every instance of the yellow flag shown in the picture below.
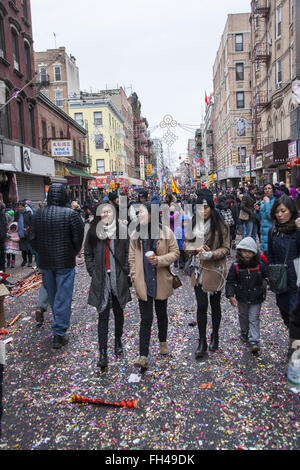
(174, 186)
(164, 189)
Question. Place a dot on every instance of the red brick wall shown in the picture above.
(14, 80)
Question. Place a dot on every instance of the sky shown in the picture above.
(163, 50)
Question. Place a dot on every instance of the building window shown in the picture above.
(27, 60)
(24, 8)
(31, 125)
(239, 72)
(98, 118)
(43, 74)
(61, 134)
(15, 47)
(79, 118)
(278, 22)
(2, 40)
(292, 5)
(278, 73)
(292, 62)
(53, 132)
(57, 73)
(59, 100)
(99, 142)
(240, 99)
(20, 114)
(100, 167)
(282, 126)
(239, 43)
(5, 119)
(276, 129)
(44, 136)
(242, 155)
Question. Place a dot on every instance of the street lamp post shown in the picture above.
(107, 150)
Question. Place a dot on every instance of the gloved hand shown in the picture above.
(205, 255)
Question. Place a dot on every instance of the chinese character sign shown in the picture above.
(62, 148)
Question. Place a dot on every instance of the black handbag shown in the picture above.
(278, 275)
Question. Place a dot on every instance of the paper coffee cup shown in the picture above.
(149, 254)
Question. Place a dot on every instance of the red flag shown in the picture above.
(206, 99)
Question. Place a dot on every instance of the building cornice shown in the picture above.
(94, 103)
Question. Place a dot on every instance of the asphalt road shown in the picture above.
(231, 400)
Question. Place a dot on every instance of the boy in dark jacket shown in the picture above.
(245, 289)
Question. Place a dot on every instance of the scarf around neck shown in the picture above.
(288, 227)
(106, 231)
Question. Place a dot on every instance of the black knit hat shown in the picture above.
(205, 196)
(113, 196)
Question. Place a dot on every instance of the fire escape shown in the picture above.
(260, 59)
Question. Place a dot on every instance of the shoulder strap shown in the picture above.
(116, 259)
(288, 251)
(237, 268)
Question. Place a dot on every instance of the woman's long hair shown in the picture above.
(217, 223)
(147, 205)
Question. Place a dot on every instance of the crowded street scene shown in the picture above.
(150, 266)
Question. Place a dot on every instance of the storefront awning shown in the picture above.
(8, 167)
(77, 172)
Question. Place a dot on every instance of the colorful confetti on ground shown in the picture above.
(231, 400)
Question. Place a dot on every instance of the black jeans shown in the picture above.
(1, 380)
(146, 310)
(26, 254)
(2, 256)
(104, 320)
(202, 307)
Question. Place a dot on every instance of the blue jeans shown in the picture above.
(250, 229)
(43, 298)
(59, 284)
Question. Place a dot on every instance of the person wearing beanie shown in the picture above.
(209, 265)
(246, 289)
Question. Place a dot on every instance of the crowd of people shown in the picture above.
(193, 233)
(140, 242)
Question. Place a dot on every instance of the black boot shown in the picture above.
(214, 342)
(202, 348)
(103, 363)
(118, 347)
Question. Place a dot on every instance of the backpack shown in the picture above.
(227, 216)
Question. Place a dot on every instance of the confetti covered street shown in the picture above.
(230, 400)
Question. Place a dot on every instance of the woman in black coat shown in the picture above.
(106, 258)
(284, 245)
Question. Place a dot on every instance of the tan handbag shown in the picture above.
(243, 215)
(176, 281)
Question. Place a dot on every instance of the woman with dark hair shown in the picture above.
(263, 214)
(209, 262)
(152, 251)
(106, 257)
(284, 246)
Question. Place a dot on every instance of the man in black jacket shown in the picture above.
(57, 236)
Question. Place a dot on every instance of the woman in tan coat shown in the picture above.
(152, 278)
(209, 266)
